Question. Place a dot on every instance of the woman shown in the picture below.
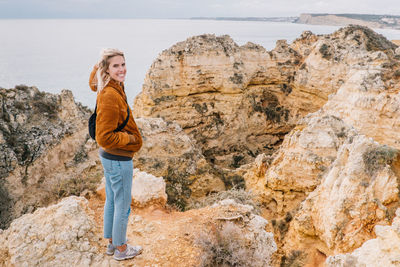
(116, 149)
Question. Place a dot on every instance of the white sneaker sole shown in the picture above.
(128, 257)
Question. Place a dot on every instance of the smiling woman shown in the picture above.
(118, 138)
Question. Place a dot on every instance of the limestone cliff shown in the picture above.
(45, 149)
(362, 183)
(283, 181)
(215, 89)
(237, 102)
(347, 82)
(345, 154)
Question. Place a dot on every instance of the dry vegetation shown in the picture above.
(225, 246)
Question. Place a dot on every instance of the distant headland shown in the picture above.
(269, 19)
(369, 20)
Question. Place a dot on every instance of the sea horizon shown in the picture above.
(60, 55)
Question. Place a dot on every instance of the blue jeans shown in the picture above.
(117, 208)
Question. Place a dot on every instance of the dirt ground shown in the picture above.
(165, 235)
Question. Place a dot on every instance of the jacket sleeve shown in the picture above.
(108, 112)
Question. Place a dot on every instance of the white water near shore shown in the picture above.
(59, 54)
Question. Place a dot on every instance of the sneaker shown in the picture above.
(110, 249)
(128, 253)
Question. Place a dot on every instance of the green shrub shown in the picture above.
(6, 204)
(325, 51)
(45, 106)
(376, 158)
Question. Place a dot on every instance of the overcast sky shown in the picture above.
(189, 8)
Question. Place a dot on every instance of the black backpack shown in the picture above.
(92, 123)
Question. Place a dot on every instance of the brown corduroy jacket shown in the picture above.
(112, 112)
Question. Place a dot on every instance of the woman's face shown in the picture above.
(117, 68)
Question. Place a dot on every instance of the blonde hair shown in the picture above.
(102, 76)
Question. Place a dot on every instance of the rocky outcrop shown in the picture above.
(362, 189)
(47, 151)
(248, 245)
(329, 59)
(46, 238)
(283, 181)
(32, 121)
(384, 250)
(361, 183)
(170, 153)
(214, 88)
(325, 189)
(370, 102)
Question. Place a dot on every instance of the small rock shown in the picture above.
(397, 51)
(148, 189)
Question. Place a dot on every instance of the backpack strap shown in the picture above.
(124, 123)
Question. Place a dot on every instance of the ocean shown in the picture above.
(59, 54)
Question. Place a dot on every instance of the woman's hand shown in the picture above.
(132, 139)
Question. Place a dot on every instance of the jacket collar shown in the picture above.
(118, 86)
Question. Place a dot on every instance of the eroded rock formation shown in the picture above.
(47, 238)
(384, 250)
(170, 153)
(215, 89)
(343, 158)
(283, 181)
(45, 148)
(240, 102)
(361, 187)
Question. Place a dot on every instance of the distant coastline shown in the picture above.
(267, 19)
(369, 20)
